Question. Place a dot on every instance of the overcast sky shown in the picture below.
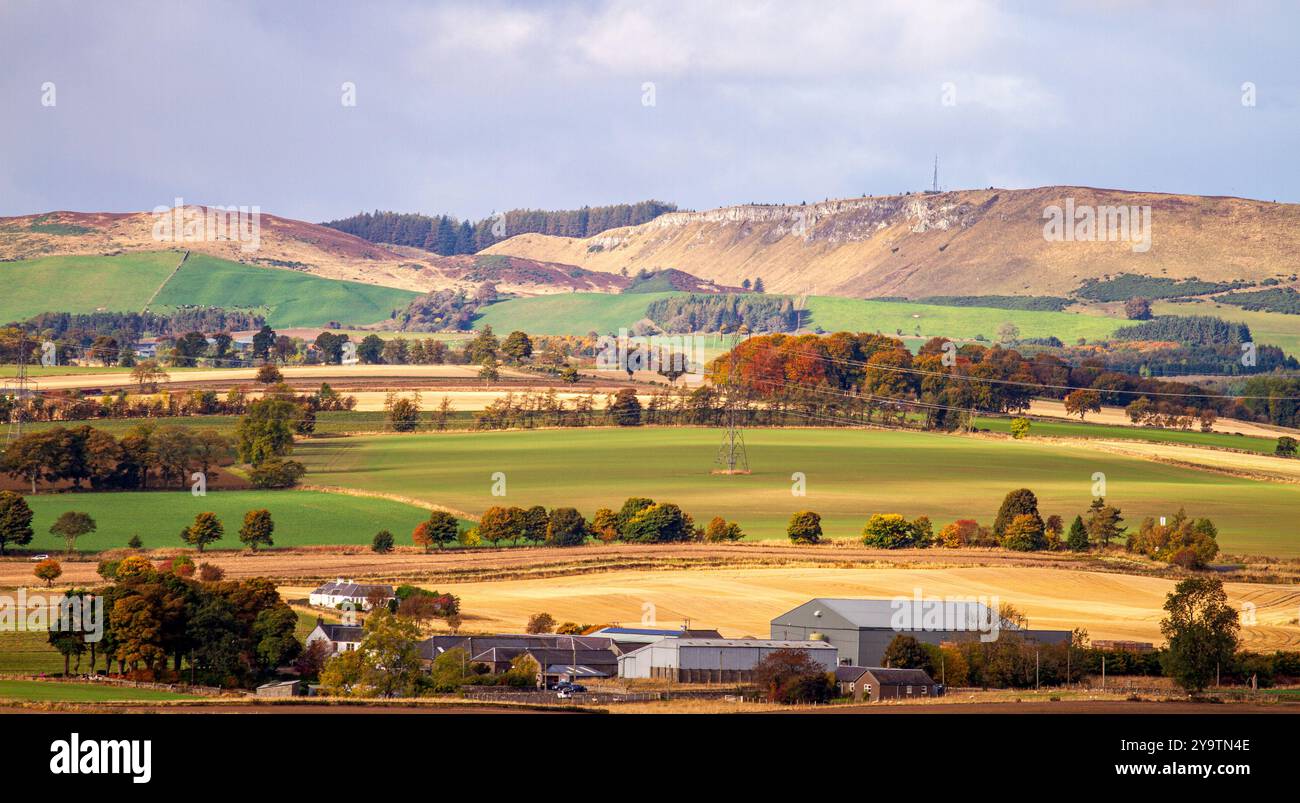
(467, 108)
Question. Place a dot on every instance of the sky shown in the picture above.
(471, 108)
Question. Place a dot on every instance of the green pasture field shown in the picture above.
(41, 691)
(287, 298)
(82, 284)
(126, 283)
(567, 313)
(580, 313)
(961, 323)
(301, 517)
(850, 475)
(24, 652)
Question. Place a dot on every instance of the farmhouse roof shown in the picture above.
(849, 674)
(767, 644)
(654, 631)
(347, 588)
(343, 633)
(578, 671)
(434, 646)
(900, 677)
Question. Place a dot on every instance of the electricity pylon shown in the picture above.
(18, 391)
(732, 457)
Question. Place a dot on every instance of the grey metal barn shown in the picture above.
(690, 660)
(861, 629)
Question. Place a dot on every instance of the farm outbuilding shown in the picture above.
(861, 629)
(873, 683)
(688, 660)
(283, 688)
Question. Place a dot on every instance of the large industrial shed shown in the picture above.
(689, 660)
(861, 629)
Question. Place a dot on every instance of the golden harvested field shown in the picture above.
(1050, 408)
(741, 602)
(1255, 466)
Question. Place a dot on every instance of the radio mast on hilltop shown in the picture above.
(936, 173)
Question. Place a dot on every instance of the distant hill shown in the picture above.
(968, 242)
(160, 282)
(293, 245)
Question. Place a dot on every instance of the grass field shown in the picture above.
(850, 475)
(82, 284)
(568, 313)
(126, 283)
(580, 313)
(963, 323)
(25, 652)
(301, 517)
(286, 297)
(40, 691)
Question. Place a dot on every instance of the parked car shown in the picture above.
(39, 557)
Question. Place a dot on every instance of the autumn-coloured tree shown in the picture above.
(720, 530)
(211, 573)
(257, 529)
(540, 623)
(440, 529)
(501, 524)
(1017, 502)
(1082, 402)
(1024, 533)
(566, 527)
(48, 570)
(205, 530)
(805, 527)
(604, 524)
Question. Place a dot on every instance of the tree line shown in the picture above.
(160, 622)
(866, 377)
(445, 235)
(723, 312)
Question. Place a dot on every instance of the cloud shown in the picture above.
(466, 108)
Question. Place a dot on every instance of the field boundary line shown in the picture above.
(409, 500)
(1111, 447)
(170, 276)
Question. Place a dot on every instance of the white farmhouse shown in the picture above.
(334, 594)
